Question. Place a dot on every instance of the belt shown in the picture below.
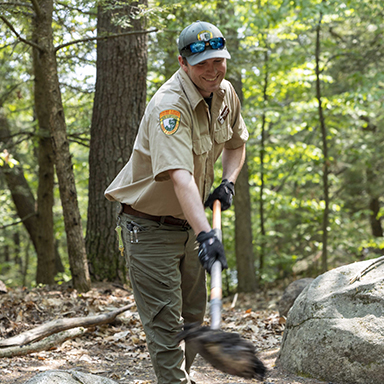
(161, 219)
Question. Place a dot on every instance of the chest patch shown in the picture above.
(223, 115)
(170, 121)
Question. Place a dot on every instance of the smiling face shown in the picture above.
(206, 75)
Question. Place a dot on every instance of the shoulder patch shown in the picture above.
(170, 121)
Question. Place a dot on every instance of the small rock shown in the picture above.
(3, 288)
(68, 377)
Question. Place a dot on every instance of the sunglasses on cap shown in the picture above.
(201, 46)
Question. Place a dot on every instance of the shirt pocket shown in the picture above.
(223, 133)
(202, 145)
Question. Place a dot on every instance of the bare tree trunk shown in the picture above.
(37, 218)
(26, 264)
(21, 193)
(120, 100)
(45, 61)
(46, 270)
(373, 175)
(17, 250)
(324, 258)
(245, 258)
(376, 227)
(23, 200)
(262, 153)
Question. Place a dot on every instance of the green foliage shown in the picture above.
(272, 44)
(76, 65)
(293, 157)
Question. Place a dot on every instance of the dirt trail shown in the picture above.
(118, 350)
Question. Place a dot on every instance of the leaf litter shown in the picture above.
(118, 350)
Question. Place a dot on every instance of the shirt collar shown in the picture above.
(193, 95)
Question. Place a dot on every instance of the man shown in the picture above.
(192, 119)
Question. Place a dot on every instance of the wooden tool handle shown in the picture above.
(216, 284)
(216, 219)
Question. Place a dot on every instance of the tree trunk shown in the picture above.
(23, 200)
(376, 227)
(119, 104)
(18, 186)
(262, 154)
(17, 250)
(46, 270)
(324, 258)
(26, 264)
(38, 221)
(45, 63)
(245, 259)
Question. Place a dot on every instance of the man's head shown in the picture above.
(201, 41)
(203, 56)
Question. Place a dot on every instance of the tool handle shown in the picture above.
(216, 285)
(216, 216)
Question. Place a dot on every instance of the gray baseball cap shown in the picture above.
(197, 32)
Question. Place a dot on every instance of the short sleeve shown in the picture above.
(170, 141)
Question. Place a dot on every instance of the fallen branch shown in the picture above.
(234, 300)
(371, 266)
(60, 325)
(42, 345)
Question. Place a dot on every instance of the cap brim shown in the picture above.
(208, 54)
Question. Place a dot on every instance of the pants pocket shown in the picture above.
(151, 294)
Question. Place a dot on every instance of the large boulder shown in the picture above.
(291, 293)
(68, 377)
(335, 329)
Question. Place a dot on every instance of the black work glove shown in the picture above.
(224, 192)
(210, 250)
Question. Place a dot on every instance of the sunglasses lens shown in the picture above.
(217, 43)
(200, 46)
(197, 47)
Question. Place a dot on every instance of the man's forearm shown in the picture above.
(233, 160)
(190, 201)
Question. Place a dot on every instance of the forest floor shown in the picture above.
(118, 350)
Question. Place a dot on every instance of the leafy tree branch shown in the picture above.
(103, 38)
(76, 9)
(31, 43)
(18, 221)
(15, 3)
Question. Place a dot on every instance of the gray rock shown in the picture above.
(3, 288)
(291, 293)
(68, 377)
(335, 330)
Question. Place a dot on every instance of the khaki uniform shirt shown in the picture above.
(178, 132)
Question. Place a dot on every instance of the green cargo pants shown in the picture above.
(169, 286)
